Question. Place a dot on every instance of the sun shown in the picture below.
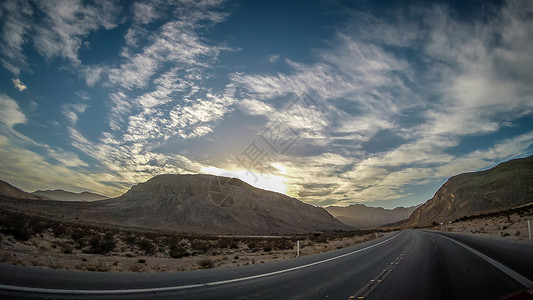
(269, 182)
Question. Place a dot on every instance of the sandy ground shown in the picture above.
(47, 250)
(511, 227)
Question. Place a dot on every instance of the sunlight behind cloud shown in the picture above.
(263, 181)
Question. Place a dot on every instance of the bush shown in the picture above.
(206, 263)
(16, 225)
(200, 246)
(284, 244)
(146, 246)
(131, 240)
(103, 245)
(78, 236)
(178, 251)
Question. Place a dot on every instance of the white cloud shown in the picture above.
(10, 113)
(66, 23)
(143, 13)
(72, 111)
(19, 85)
(15, 19)
(274, 58)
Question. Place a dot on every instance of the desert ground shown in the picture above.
(35, 241)
(510, 225)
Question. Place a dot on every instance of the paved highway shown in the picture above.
(411, 264)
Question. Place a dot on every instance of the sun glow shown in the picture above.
(269, 182)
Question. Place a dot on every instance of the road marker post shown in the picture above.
(529, 228)
(298, 248)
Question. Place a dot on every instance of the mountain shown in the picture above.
(205, 204)
(69, 196)
(8, 190)
(362, 216)
(505, 186)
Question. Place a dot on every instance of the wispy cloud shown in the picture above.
(66, 23)
(368, 86)
(72, 111)
(10, 111)
(15, 17)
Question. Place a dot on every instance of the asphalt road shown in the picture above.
(411, 264)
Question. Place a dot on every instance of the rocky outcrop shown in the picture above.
(508, 185)
(362, 216)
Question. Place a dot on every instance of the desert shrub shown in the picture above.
(283, 244)
(103, 245)
(59, 229)
(227, 243)
(505, 234)
(146, 245)
(252, 244)
(16, 225)
(78, 236)
(177, 251)
(141, 261)
(37, 226)
(131, 239)
(206, 263)
(200, 246)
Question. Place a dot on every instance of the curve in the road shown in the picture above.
(176, 288)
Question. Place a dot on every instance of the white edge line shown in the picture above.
(509, 272)
(175, 288)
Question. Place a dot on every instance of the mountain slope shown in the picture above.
(504, 186)
(7, 189)
(204, 204)
(362, 216)
(69, 196)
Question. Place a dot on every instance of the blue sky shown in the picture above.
(332, 102)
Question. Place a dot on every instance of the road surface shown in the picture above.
(411, 264)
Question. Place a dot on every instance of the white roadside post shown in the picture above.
(529, 228)
(298, 248)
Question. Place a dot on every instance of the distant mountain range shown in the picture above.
(9, 190)
(505, 186)
(69, 196)
(362, 216)
(221, 205)
(203, 204)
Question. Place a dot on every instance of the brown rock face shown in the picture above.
(508, 185)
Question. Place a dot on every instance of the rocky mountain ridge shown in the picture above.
(505, 186)
(204, 204)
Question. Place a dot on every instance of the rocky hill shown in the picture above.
(505, 186)
(204, 204)
(69, 196)
(362, 216)
(8, 190)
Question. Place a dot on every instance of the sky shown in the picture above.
(331, 102)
